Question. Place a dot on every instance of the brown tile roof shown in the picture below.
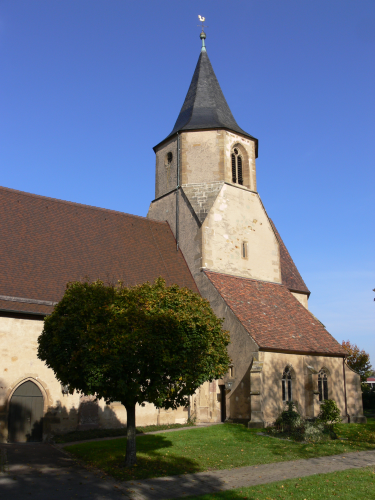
(46, 242)
(290, 275)
(273, 317)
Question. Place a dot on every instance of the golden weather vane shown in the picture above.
(202, 20)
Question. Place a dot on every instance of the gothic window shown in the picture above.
(286, 385)
(323, 385)
(237, 167)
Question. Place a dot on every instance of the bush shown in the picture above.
(329, 413)
(291, 424)
(289, 419)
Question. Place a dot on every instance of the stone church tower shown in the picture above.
(207, 191)
(206, 188)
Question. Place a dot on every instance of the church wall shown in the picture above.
(302, 298)
(241, 350)
(62, 413)
(237, 216)
(305, 370)
(166, 173)
(19, 362)
(202, 156)
(354, 395)
(247, 149)
(189, 234)
(206, 157)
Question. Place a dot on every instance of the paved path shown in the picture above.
(214, 481)
(43, 472)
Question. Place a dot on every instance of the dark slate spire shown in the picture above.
(205, 106)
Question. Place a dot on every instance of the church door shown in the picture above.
(223, 403)
(25, 422)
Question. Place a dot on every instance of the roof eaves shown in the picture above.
(338, 354)
(244, 134)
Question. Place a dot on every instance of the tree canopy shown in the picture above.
(358, 360)
(148, 343)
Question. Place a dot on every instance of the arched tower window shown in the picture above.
(286, 385)
(323, 385)
(237, 176)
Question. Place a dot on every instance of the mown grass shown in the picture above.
(213, 448)
(103, 433)
(347, 485)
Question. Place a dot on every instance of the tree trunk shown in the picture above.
(131, 450)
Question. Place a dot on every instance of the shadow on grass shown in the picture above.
(154, 458)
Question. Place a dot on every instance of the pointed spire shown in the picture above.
(205, 106)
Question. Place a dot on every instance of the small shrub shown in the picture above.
(291, 424)
(289, 419)
(329, 413)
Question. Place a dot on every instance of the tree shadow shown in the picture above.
(42, 471)
(155, 458)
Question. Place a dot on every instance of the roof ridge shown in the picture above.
(74, 203)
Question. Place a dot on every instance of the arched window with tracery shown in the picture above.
(286, 384)
(323, 385)
(237, 175)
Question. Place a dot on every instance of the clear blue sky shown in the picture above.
(88, 87)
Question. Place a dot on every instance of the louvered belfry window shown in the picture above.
(237, 167)
(286, 385)
(323, 385)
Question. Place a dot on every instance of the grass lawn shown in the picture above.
(351, 484)
(102, 433)
(212, 448)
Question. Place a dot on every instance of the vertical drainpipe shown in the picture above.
(177, 196)
(346, 404)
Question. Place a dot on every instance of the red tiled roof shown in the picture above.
(290, 275)
(46, 242)
(273, 317)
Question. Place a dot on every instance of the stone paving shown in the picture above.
(44, 472)
(214, 481)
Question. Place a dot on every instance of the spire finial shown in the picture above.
(203, 34)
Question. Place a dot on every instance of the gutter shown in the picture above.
(346, 403)
(177, 195)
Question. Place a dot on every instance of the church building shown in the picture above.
(206, 229)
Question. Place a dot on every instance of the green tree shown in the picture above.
(358, 360)
(148, 343)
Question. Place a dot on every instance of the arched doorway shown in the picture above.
(25, 422)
